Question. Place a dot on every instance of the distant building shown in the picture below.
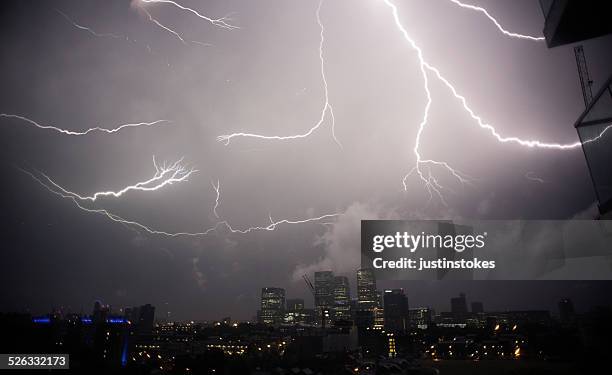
(295, 312)
(295, 304)
(141, 317)
(300, 317)
(367, 297)
(477, 307)
(324, 295)
(395, 310)
(369, 311)
(519, 317)
(272, 305)
(420, 317)
(342, 298)
(459, 307)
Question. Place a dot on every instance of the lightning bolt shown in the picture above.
(90, 130)
(50, 186)
(203, 44)
(222, 22)
(327, 108)
(164, 176)
(497, 24)
(218, 192)
(531, 176)
(89, 30)
(430, 182)
(161, 25)
(599, 136)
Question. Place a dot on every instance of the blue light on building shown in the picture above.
(116, 320)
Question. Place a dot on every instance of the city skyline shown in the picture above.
(280, 298)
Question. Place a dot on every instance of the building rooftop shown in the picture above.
(572, 21)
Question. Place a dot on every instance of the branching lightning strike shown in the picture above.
(164, 176)
(222, 22)
(327, 107)
(85, 132)
(218, 22)
(90, 30)
(424, 169)
(59, 191)
(497, 24)
(429, 181)
(161, 25)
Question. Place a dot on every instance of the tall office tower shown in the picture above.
(477, 307)
(367, 297)
(272, 305)
(342, 298)
(396, 310)
(459, 307)
(324, 295)
(566, 310)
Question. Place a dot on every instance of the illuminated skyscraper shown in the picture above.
(367, 297)
(324, 295)
(342, 298)
(272, 305)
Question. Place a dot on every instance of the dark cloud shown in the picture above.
(265, 78)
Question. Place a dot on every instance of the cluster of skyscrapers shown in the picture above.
(333, 304)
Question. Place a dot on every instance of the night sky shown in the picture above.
(265, 78)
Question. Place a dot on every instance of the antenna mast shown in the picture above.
(583, 72)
